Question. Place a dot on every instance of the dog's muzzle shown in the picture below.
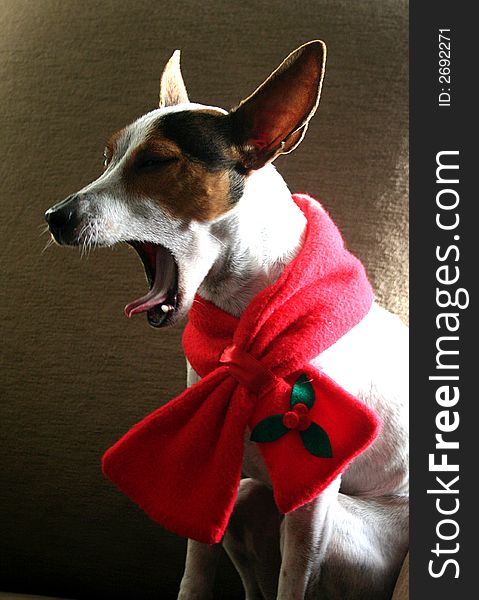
(64, 219)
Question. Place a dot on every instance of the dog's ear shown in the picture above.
(172, 87)
(274, 119)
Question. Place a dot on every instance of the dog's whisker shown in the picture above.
(218, 240)
(49, 243)
(81, 246)
(83, 236)
(91, 238)
(96, 236)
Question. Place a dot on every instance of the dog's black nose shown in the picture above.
(62, 219)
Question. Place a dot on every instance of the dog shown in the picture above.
(193, 190)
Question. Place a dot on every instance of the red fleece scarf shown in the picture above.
(182, 464)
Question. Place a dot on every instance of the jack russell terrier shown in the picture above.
(192, 189)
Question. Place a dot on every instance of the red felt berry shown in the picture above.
(291, 420)
(304, 420)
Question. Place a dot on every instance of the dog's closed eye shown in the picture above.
(154, 162)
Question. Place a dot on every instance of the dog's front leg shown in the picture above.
(305, 535)
(199, 576)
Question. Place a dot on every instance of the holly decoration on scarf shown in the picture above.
(314, 438)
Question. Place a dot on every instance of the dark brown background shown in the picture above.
(75, 374)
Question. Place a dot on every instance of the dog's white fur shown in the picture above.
(350, 541)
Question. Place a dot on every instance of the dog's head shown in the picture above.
(176, 171)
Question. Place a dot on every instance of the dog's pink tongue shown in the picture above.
(164, 276)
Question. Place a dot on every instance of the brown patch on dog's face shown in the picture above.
(185, 189)
(187, 164)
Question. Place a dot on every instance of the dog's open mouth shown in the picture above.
(161, 302)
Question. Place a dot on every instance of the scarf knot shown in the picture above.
(247, 370)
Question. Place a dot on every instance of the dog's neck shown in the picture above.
(258, 239)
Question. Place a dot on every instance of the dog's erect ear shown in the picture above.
(172, 86)
(274, 119)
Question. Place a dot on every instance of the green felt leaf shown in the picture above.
(269, 429)
(303, 392)
(316, 441)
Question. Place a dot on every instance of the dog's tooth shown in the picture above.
(165, 308)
